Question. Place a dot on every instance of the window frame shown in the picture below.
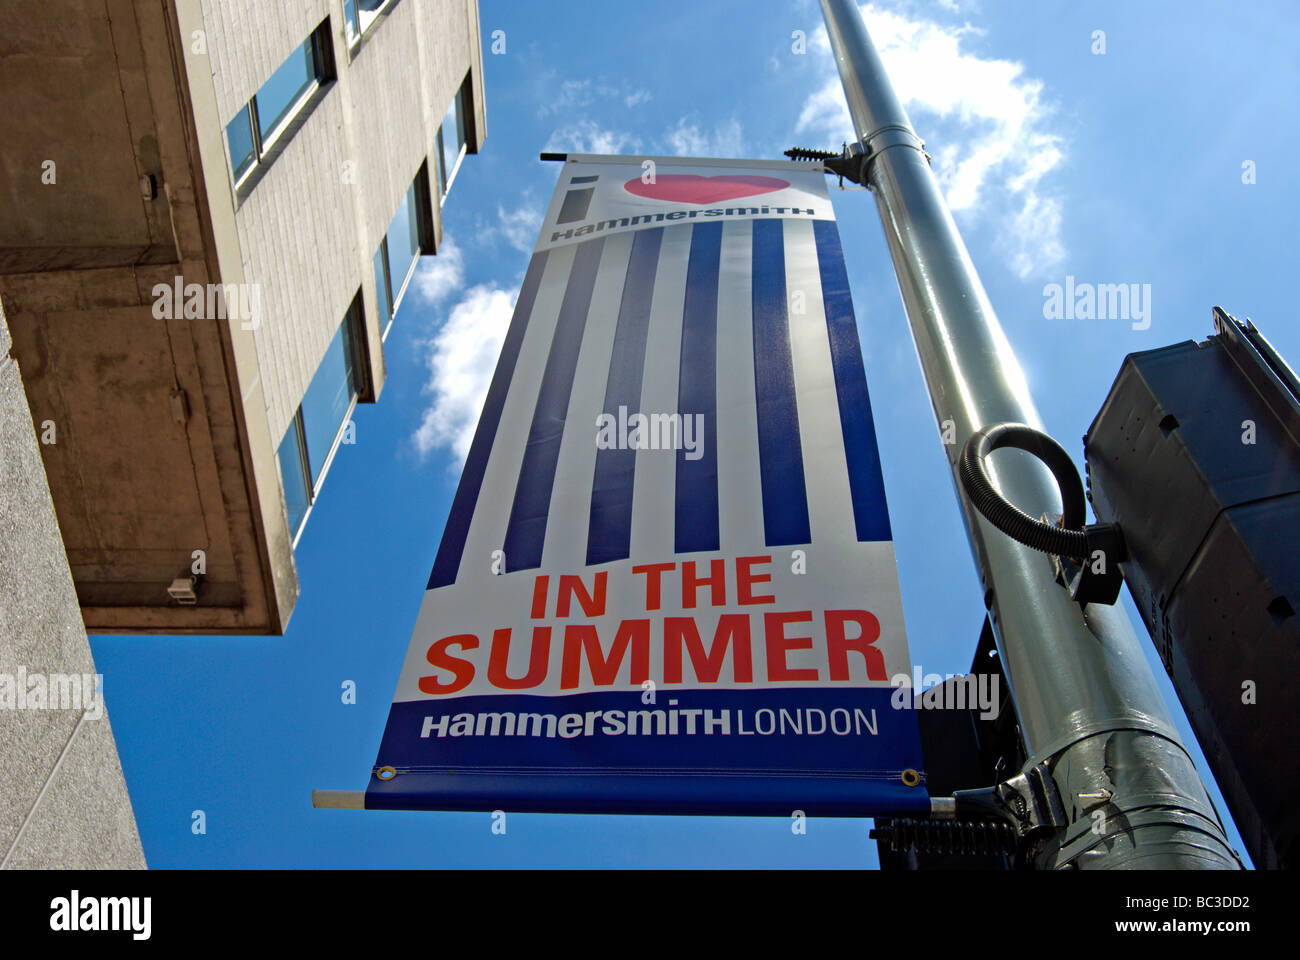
(400, 293)
(265, 148)
(249, 112)
(422, 219)
(381, 12)
(353, 330)
(304, 471)
(445, 177)
(384, 296)
(268, 141)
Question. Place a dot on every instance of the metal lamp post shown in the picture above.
(1089, 711)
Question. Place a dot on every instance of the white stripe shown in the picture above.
(740, 485)
(487, 528)
(825, 470)
(653, 490)
(565, 547)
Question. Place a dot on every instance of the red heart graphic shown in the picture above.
(693, 188)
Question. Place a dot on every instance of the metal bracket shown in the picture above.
(1029, 803)
(848, 164)
(1078, 574)
(1014, 818)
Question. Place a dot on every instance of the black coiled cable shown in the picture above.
(1068, 540)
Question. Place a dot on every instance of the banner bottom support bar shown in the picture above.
(338, 799)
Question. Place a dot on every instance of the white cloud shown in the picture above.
(585, 136)
(518, 227)
(687, 140)
(439, 276)
(463, 353)
(462, 356)
(997, 150)
(514, 227)
(574, 95)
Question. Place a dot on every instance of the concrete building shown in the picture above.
(63, 799)
(209, 213)
(212, 208)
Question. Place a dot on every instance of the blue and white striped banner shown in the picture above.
(667, 582)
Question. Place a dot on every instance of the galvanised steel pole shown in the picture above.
(1086, 701)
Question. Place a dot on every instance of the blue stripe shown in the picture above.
(609, 535)
(697, 480)
(447, 563)
(526, 531)
(780, 452)
(870, 513)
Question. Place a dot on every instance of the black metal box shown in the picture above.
(1196, 454)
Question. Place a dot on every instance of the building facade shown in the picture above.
(63, 799)
(215, 209)
(210, 211)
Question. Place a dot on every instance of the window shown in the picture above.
(243, 150)
(297, 492)
(451, 139)
(359, 15)
(400, 250)
(403, 243)
(318, 427)
(383, 287)
(285, 89)
(252, 136)
(326, 403)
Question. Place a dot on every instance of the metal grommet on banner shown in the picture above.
(910, 778)
(386, 773)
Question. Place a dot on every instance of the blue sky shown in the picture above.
(1117, 167)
